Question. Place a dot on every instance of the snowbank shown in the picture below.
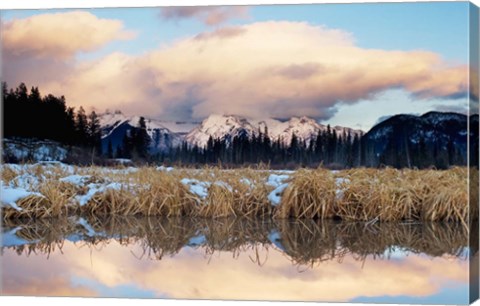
(197, 187)
(9, 196)
(277, 181)
(28, 150)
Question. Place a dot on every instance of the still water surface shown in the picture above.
(236, 259)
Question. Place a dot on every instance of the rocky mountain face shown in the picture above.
(408, 138)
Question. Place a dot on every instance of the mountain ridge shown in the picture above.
(167, 135)
(440, 135)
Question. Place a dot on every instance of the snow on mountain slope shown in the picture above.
(179, 127)
(109, 121)
(304, 128)
(115, 125)
(166, 134)
(219, 126)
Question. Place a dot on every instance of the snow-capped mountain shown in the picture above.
(109, 121)
(164, 135)
(220, 127)
(229, 126)
(304, 128)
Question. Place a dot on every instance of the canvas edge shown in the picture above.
(473, 107)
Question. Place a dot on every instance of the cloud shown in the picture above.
(40, 49)
(209, 15)
(222, 33)
(274, 69)
(60, 35)
(459, 108)
(474, 97)
(301, 71)
(189, 274)
(35, 277)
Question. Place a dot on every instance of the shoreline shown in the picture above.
(361, 194)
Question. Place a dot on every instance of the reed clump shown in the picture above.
(310, 194)
(145, 192)
(385, 195)
(52, 199)
(240, 194)
(444, 195)
(393, 195)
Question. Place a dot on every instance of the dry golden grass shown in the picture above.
(474, 200)
(232, 195)
(392, 195)
(384, 194)
(310, 194)
(363, 194)
(8, 175)
(146, 192)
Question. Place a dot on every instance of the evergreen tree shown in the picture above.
(81, 127)
(141, 140)
(94, 132)
(70, 127)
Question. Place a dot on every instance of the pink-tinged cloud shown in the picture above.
(194, 274)
(60, 35)
(274, 69)
(222, 33)
(209, 15)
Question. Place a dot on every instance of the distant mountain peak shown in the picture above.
(229, 126)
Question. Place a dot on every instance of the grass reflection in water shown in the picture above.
(304, 242)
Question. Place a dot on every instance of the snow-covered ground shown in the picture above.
(33, 151)
(26, 179)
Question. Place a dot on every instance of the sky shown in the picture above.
(343, 64)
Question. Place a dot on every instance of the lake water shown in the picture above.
(236, 259)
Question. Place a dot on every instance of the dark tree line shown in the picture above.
(327, 148)
(401, 153)
(28, 114)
